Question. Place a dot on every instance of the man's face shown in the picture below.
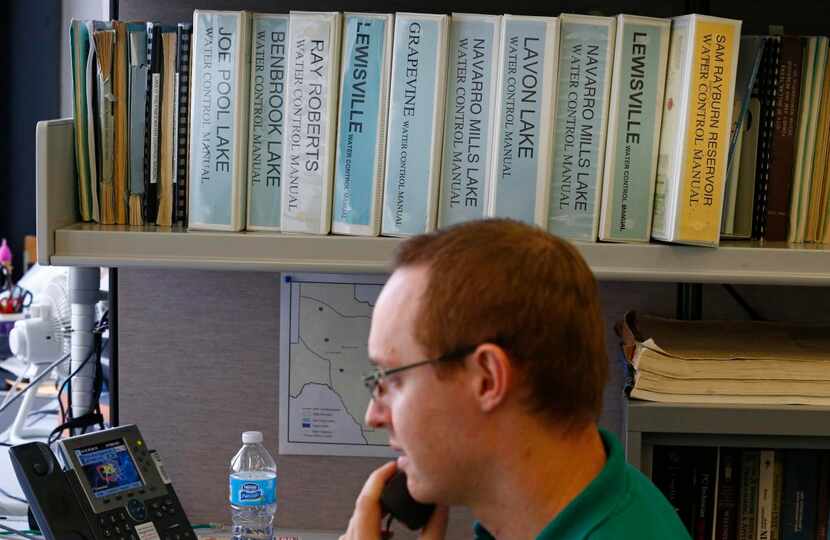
(422, 413)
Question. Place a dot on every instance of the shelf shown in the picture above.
(112, 245)
(739, 426)
(64, 241)
(778, 420)
(108, 245)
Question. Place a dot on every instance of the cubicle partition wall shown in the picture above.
(198, 364)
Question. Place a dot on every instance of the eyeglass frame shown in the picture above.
(372, 380)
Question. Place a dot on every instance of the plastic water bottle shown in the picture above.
(253, 490)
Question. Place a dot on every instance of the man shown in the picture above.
(488, 341)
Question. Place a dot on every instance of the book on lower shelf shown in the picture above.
(740, 362)
(734, 493)
(727, 494)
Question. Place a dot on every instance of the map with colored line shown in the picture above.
(324, 329)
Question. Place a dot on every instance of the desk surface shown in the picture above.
(281, 534)
(214, 534)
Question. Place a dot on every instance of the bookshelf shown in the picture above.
(744, 426)
(69, 242)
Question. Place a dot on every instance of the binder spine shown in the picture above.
(634, 118)
(361, 138)
(219, 120)
(415, 127)
(472, 86)
(266, 145)
(151, 123)
(523, 135)
(313, 69)
(586, 47)
(184, 35)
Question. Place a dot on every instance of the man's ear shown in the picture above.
(492, 375)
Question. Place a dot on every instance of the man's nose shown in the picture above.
(376, 414)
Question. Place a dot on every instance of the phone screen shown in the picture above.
(109, 468)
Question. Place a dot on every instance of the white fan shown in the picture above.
(60, 322)
(39, 341)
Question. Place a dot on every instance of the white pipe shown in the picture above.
(83, 295)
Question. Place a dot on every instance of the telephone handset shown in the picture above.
(114, 488)
(396, 500)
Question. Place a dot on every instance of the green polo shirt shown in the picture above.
(619, 504)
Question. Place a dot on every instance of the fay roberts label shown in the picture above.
(253, 489)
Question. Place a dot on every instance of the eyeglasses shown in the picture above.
(374, 381)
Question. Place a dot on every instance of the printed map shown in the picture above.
(323, 334)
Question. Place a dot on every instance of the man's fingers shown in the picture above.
(370, 494)
(436, 527)
(365, 523)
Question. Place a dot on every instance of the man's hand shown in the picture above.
(365, 523)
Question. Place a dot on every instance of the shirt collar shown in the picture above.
(592, 505)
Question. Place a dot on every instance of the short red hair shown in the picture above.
(516, 285)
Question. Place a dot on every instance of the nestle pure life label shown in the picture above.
(253, 488)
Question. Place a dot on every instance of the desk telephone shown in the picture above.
(114, 488)
(396, 500)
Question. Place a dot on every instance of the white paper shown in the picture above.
(147, 531)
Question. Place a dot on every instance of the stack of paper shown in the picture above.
(744, 362)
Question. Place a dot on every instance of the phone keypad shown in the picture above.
(164, 512)
(117, 526)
